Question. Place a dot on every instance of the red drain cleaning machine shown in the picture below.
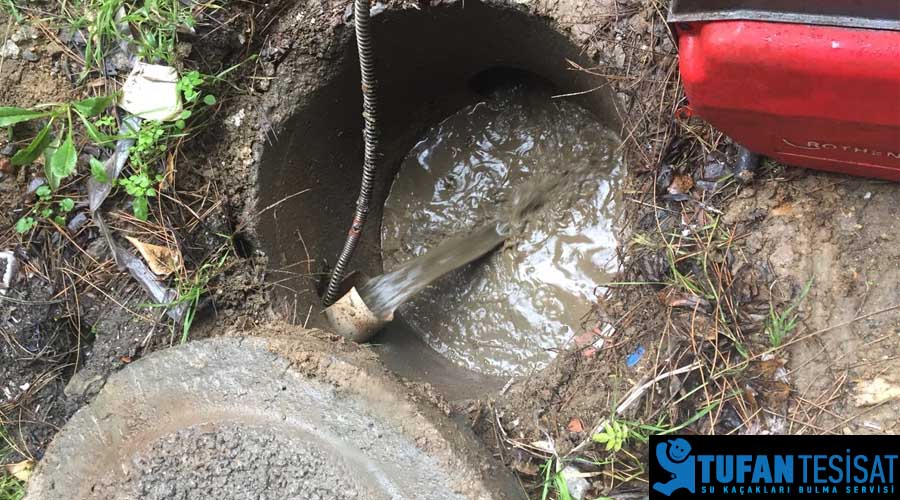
(811, 83)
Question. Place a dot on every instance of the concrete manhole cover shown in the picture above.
(238, 418)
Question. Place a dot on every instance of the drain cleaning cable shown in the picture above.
(370, 136)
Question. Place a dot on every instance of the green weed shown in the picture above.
(191, 288)
(614, 435)
(11, 488)
(57, 147)
(554, 481)
(45, 208)
(780, 325)
(10, 7)
(152, 27)
(54, 141)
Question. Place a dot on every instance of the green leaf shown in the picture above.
(49, 152)
(92, 106)
(562, 488)
(98, 171)
(25, 224)
(37, 146)
(11, 115)
(59, 220)
(66, 205)
(43, 191)
(63, 160)
(600, 438)
(140, 207)
(209, 99)
(94, 133)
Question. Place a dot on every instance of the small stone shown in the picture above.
(24, 33)
(77, 222)
(618, 56)
(10, 50)
(577, 485)
(29, 56)
(713, 171)
(34, 184)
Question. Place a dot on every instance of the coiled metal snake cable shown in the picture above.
(370, 135)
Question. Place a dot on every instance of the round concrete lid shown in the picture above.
(298, 417)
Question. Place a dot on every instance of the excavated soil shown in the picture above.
(841, 233)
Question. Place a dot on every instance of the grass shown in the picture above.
(10, 7)
(10, 487)
(191, 289)
(154, 23)
(780, 325)
(554, 482)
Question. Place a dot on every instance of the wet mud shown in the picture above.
(548, 170)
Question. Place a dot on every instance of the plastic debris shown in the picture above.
(151, 92)
(746, 165)
(635, 357)
(34, 184)
(98, 191)
(77, 222)
(9, 267)
(714, 170)
(160, 293)
(544, 445)
(575, 481)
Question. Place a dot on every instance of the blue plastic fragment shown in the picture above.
(634, 357)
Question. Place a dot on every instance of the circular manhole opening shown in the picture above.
(474, 103)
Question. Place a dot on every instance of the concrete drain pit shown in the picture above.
(466, 117)
(235, 418)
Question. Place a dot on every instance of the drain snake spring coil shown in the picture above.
(370, 135)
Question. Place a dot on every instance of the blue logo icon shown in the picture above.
(673, 456)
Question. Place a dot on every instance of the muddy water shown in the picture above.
(508, 312)
(384, 294)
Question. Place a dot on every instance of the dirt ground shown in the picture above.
(71, 317)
